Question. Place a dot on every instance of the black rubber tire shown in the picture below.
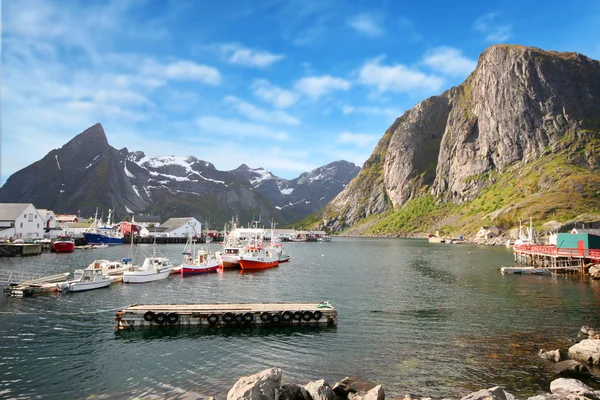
(212, 319)
(172, 318)
(239, 318)
(297, 315)
(160, 318)
(149, 316)
(228, 318)
(287, 316)
(317, 315)
(276, 318)
(266, 317)
(248, 317)
(307, 316)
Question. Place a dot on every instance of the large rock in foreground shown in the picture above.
(261, 386)
(495, 393)
(586, 351)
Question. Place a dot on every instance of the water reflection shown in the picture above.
(176, 332)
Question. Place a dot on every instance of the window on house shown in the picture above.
(38, 226)
(30, 218)
(21, 224)
(35, 216)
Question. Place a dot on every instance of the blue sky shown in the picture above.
(284, 85)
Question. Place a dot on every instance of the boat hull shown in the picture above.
(189, 270)
(81, 286)
(248, 264)
(145, 276)
(63, 247)
(97, 238)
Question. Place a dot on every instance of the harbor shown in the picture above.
(399, 302)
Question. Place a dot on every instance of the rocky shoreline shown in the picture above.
(570, 367)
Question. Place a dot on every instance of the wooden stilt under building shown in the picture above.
(222, 315)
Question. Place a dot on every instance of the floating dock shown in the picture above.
(225, 315)
(526, 270)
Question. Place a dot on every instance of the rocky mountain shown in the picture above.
(520, 137)
(303, 195)
(87, 173)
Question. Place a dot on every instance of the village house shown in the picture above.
(181, 227)
(487, 232)
(48, 217)
(20, 221)
(66, 218)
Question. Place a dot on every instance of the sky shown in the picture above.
(287, 85)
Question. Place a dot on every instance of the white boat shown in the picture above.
(91, 279)
(154, 268)
(111, 268)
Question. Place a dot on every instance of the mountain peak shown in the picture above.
(93, 136)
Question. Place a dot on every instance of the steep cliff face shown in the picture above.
(519, 105)
(518, 101)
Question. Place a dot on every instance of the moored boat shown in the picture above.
(98, 235)
(154, 268)
(63, 244)
(254, 256)
(91, 279)
(111, 268)
(203, 263)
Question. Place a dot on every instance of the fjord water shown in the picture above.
(426, 319)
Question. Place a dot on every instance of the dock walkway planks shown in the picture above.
(226, 314)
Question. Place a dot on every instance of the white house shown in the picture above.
(20, 221)
(49, 218)
(181, 227)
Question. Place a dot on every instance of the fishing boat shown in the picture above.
(255, 256)
(91, 279)
(202, 263)
(154, 268)
(64, 243)
(232, 246)
(103, 234)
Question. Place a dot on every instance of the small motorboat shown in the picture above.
(153, 269)
(91, 279)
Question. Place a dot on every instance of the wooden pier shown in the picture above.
(554, 259)
(225, 315)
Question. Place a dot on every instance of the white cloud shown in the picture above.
(182, 70)
(449, 61)
(365, 24)
(397, 78)
(237, 54)
(275, 95)
(494, 31)
(357, 139)
(259, 114)
(385, 112)
(237, 129)
(317, 86)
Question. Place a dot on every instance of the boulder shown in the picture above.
(586, 330)
(352, 385)
(569, 388)
(546, 396)
(572, 369)
(294, 392)
(552, 355)
(261, 386)
(495, 393)
(320, 390)
(586, 351)
(376, 393)
(594, 271)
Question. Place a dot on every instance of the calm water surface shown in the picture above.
(430, 320)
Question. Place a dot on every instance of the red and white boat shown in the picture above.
(63, 244)
(255, 256)
(202, 264)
